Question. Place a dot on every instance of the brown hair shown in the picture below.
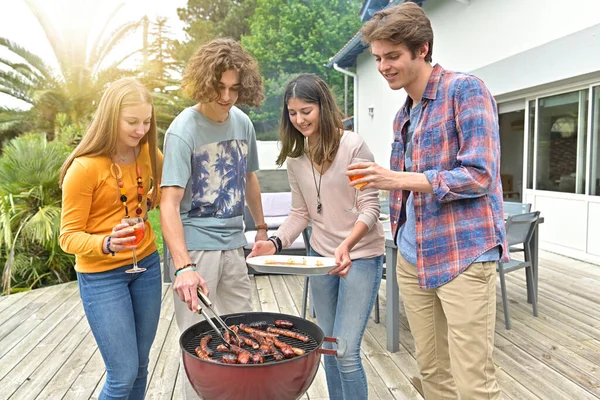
(405, 23)
(205, 68)
(100, 139)
(311, 89)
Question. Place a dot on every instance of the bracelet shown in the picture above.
(259, 227)
(274, 244)
(112, 253)
(184, 270)
(277, 243)
(185, 266)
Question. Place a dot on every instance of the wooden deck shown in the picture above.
(48, 352)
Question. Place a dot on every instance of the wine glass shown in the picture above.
(357, 187)
(139, 229)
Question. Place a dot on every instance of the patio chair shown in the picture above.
(512, 208)
(519, 230)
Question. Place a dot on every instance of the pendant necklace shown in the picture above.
(318, 187)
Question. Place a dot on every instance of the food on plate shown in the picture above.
(291, 261)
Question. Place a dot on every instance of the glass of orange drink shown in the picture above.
(357, 187)
(139, 230)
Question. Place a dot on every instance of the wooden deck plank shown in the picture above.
(29, 322)
(71, 326)
(39, 307)
(157, 364)
(47, 350)
(88, 380)
(64, 378)
(62, 354)
(162, 383)
(26, 302)
(40, 335)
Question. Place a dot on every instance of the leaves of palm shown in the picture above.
(83, 71)
(30, 212)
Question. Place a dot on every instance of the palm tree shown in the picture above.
(30, 213)
(82, 75)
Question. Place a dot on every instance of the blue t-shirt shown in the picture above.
(210, 160)
(406, 241)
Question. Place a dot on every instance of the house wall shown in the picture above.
(483, 35)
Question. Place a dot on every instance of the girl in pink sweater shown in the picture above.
(317, 152)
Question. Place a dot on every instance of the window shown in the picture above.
(561, 142)
(595, 145)
(531, 144)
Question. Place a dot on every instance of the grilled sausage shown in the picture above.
(288, 333)
(297, 351)
(284, 323)
(204, 345)
(230, 339)
(243, 356)
(229, 358)
(248, 329)
(286, 349)
(249, 342)
(260, 339)
(257, 358)
(202, 355)
(261, 325)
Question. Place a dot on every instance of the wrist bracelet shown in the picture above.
(274, 243)
(185, 269)
(185, 266)
(112, 253)
(278, 245)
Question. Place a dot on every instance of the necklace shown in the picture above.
(318, 187)
(117, 173)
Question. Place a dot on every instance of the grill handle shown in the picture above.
(329, 352)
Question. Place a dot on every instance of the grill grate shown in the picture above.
(308, 347)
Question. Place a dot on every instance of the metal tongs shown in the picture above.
(209, 305)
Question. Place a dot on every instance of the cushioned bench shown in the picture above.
(276, 207)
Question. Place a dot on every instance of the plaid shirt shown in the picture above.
(457, 147)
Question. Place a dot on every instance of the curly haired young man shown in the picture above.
(210, 157)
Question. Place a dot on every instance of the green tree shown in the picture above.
(158, 70)
(207, 19)
(83, 72)
(289, 37)
(30, 214)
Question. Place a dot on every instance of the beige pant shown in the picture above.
(453, 328)
(230, 292)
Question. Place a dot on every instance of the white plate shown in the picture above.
(294, 265)
(384, 217)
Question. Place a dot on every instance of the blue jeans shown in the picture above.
(343, 307)
(123, 310)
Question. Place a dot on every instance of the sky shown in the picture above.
(18, 24)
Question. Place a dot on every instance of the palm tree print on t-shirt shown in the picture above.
(219, 179)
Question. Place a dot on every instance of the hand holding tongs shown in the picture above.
(208, 304)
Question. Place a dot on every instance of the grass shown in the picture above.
(154, 218)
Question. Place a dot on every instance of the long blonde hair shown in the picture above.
(100, 139)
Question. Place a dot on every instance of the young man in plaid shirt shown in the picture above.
(446, 206)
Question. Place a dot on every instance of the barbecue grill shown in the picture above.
(281, 380)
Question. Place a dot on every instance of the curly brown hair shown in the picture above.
(205, 68)
(405, 23)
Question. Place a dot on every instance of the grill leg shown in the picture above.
(305, 297)
(377, 309)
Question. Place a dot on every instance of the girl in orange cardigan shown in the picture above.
(110, 176)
